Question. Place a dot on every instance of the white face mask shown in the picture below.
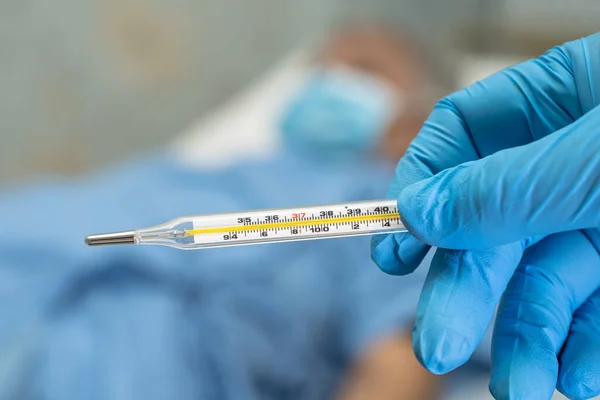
(340, 112)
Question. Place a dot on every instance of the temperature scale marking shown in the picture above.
(292, 224)
(370, 217)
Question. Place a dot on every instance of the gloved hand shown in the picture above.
(504, 179)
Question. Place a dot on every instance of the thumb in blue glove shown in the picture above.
(548, 186)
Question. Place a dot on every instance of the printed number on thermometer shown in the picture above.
(342, 220)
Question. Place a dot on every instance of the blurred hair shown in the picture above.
(439, 63)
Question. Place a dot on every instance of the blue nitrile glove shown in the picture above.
(496, 168)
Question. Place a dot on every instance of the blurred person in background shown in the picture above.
(306, 320)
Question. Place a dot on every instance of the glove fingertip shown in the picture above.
(440, 354)
(581, 379)
(397, 254)
(522, 385)
(411, 208)
(425, 208)
(575, 388)
(524, 366)
(383, 253)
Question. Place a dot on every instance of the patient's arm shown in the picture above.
(388, 370)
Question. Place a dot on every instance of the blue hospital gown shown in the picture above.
(277, 321)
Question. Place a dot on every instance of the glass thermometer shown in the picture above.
(265, 226)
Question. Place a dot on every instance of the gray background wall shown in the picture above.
(87, 82)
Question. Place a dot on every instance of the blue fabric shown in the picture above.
(504, 175)
(261, 322)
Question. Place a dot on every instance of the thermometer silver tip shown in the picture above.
(125, 237)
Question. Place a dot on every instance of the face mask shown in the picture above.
(339, 113)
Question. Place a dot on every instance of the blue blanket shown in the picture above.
(277, 321)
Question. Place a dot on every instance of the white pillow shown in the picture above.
(246, 126)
